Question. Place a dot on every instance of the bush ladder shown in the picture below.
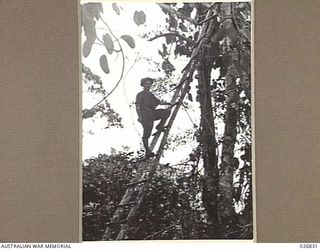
(128, 207)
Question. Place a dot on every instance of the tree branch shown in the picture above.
(173, 34)
(165, 7)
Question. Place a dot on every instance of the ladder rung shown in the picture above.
(127, 204)
(136, 183)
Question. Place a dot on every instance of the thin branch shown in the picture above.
(189, 116)
(207, 19)
(99, 44)
(125, 93)
(173, 34)
(187, 163)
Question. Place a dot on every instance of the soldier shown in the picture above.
(146, 104)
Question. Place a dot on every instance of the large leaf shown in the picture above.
(108, 43)
(89, 27)
(104, 64)
(129, 40)
(87, 45)
(173, 23)
(91, 10)
(116, 8)
(139, 17)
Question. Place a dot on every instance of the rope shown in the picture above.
(189, 116)
(125, 95)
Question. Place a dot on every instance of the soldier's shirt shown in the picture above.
(147, 103)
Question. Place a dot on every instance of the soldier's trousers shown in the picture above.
(147, 124)
(158, 114)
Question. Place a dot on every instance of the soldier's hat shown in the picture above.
(146, 79)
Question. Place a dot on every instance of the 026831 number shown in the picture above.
(308, 245)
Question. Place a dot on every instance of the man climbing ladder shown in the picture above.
(146, 104)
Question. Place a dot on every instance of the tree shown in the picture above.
(226, 37)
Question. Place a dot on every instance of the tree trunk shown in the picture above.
(210, 180)
(228, 161)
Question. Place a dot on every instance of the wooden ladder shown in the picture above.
(132, 199)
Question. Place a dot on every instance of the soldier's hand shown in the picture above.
(172, 105)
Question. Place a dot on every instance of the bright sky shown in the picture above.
(102, 140)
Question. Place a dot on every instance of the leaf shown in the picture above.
(108, 43)
(104, 64)
(139, 17)
(87, 45)
(160, 53)
(187, 9)
(116, 8)
(129, 40)
(91, 10)
(173, 22)
(89, 27)
(190, 97)
(170, 39)
(197, 98)
(183, 27)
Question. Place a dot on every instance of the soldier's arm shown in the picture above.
(164, 103)
(139, 104)
(139, 112)
(160, 102)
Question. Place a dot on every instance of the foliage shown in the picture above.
(91, 14)
(172, 208)
(93, 85)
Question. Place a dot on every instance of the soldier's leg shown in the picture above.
(147, 128)
(162, 115)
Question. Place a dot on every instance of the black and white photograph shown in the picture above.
(166, 121)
